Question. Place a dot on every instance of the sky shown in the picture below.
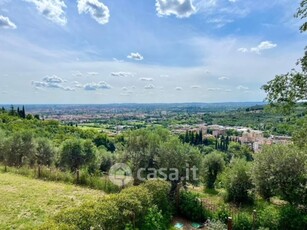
(144, 51)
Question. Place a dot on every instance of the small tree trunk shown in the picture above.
(229, 223)
(78, 176)
(39, 171)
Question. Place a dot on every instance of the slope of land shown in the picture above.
(26, 203)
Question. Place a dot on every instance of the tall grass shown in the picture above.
(55, 174)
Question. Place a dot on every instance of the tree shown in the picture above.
(287, 89)
(213, 165)
(76, 153)
(238, 183)
(45, 152)
(281, 171)
(102, 140)
(19, 149)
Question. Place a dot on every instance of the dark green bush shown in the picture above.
(292, 218)
(191, 207)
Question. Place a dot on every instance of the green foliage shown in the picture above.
(281, 170)
(75, 153)
(154, 220)
(216, 225)
(132, 207)
(191, 207)
(243, 221)
(102, 140)
(269, 217)
(238, 183)
(45, 152)
(292, 218)
(213, 164)
(160, 191)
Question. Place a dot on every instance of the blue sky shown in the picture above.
(113, 51)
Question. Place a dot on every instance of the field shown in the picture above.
(26, 203)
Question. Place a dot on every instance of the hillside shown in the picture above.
(26, 203)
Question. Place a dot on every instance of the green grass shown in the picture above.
(26, 203)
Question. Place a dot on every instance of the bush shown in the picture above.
(216, 225)
(269, 218)
(160, 189)
(132, 208)
(154, 220)
(238, 183)
(243, 221)
(292, 218)
(190, 207)
(222, 214)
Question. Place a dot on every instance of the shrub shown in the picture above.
(238, 183)
(292, 218)
(154, 220)
(222, 214)
(243, 221)
(269, 218)
(190, 207)
(216, 225)
(160, 189)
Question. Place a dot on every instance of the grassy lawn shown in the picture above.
(26, 203)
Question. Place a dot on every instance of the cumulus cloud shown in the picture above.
(241, 87)
(94, 86)
(92, 73)
(52, 10)
(265, 45)
(179, 8)
(122, 74)
(96, 9)
(6, 23)
(195, 86)
(178, 88)
(146, 79)
(223, 78)
(150, 86)
(52, 82)
(135, 56)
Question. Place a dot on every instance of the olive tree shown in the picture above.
(282, 171)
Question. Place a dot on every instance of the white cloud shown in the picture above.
(179, 88)
(265, 45)
(122, 74)
(95, 86)
(135, 56)
(52, 82)
(6, 23)
(52, 10)
(180, 8)
(243, 50)
(53, 79)
(146, 79)
(150, 86)
(96, 9)
(223, 78)
(241, 87)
